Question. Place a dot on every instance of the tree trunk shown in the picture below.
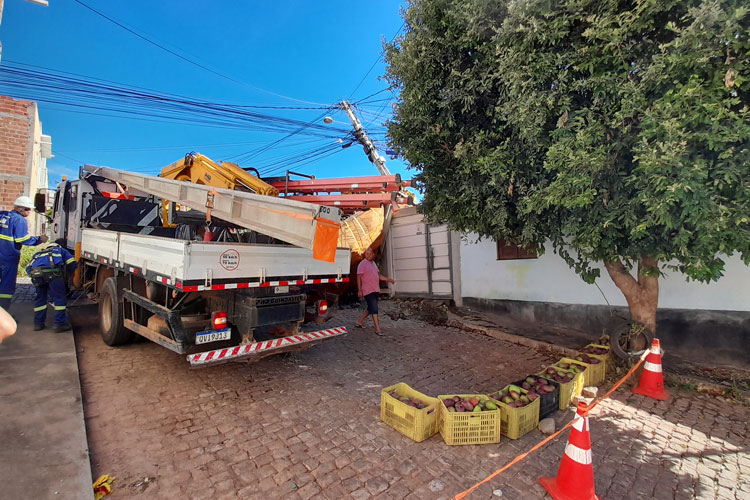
(642, 294)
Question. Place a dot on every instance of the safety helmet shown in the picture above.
(23, 202)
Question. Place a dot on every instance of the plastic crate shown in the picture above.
(411, 422)
(586, 374)
(604, 358)
(548, 403)
(593, 374)
(608, 354)
(468, 427)
(567, 389)
(518, 421)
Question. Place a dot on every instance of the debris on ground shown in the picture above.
(103, 486)
(141, 485)
(590, 392)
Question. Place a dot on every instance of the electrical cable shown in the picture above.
(382, 53)
(80, 94)
(162, 148)
(371, 95)
(155, 44)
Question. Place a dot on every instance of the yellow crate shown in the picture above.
(567, 389)
(468, 427)
(604, 358)
(600, 346)
(409, 421)
(515, 422)
(593, 374)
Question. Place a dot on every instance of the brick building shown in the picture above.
(23, 154)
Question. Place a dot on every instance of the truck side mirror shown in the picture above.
(40, 203)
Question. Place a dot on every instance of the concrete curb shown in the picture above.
(539, 345)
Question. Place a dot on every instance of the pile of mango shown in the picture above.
(414, 402)
(458, 404)
(558, 373)
(571, 367)
(585, 358)
(594, 350)
(514, 398)
(538, 385)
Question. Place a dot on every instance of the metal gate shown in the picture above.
(420, 256)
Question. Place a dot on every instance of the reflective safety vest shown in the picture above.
(53, 258)
(14, 233)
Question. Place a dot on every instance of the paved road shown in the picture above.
(308, 426)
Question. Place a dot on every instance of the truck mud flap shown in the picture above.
(264, 348)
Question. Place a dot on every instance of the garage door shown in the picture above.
(420, 256)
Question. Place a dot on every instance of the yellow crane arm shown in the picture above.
(201, 169)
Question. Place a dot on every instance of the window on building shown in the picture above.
(508, 251)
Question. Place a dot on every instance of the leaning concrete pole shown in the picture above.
(364, 139)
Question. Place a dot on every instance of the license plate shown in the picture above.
(213, 336)
(281, 289)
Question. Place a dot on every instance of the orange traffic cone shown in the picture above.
(652, 380)
(575, 478)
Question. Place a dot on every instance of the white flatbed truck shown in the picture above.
(188, 295)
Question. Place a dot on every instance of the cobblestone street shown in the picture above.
(307, 426)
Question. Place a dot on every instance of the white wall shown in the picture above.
(549, 279)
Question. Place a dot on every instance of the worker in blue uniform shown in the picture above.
(48, 269)
(14, 234)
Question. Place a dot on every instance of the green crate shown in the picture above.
(515, 422)
(468, 427)
(411, 422)
(567, 389)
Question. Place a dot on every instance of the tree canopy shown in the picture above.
(616, 129)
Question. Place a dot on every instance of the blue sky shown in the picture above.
(316, 52)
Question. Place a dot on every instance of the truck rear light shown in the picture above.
(322, 307)
(219, 320)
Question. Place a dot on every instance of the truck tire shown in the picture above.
(110, 315)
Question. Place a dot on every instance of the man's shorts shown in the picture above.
(372, 302)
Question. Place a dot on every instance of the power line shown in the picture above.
(371, 95)
(88, 93)
(252, 154)
(57, 153)
(189, 61)
(162, 148)
(90, 96)
(382, 53)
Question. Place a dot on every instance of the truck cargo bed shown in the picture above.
(197, 265)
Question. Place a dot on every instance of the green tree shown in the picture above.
(617, 130)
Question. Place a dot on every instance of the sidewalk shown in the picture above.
(44, 452)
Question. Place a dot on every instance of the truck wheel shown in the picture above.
(110, 315)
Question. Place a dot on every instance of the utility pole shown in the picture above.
(362, 138)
